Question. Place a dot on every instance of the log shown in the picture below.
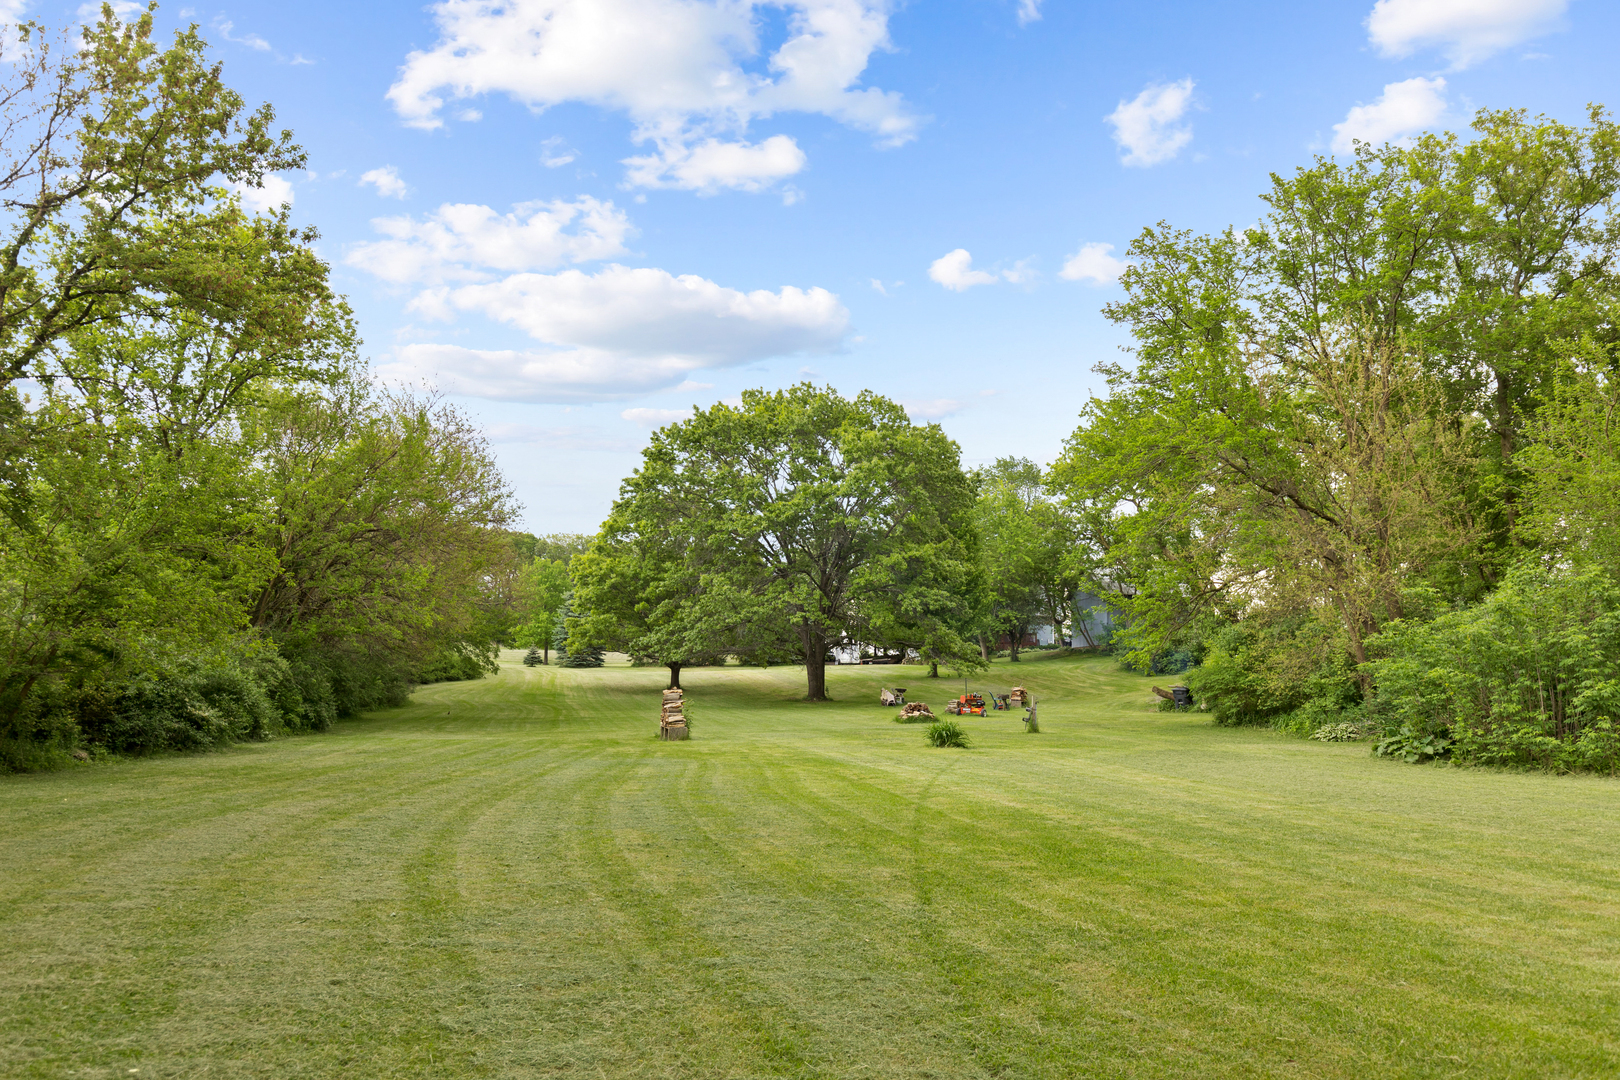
(1167, 695)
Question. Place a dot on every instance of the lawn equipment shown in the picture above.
(966, 705)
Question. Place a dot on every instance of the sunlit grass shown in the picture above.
(515, 877)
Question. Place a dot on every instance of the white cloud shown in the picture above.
(617, 333)
(464, 242)
(1146, 127)
(11, 13)
(252, 41)
(558, 438)
(555, 153)
(1093, 263)
(273, 191)
(674, 66)
(954, 271)
(656, 417)
(1405, 108)
(713, 164)
(1028, 11)
(932, 409)
(650, 312)
(1020, 273)
(1467, 31)
(386, 180)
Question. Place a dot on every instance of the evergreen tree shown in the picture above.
(580, 656)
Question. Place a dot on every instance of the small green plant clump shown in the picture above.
(1340, 732)
(1414, 745)
(947, 733)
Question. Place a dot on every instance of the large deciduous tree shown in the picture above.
(797, 513)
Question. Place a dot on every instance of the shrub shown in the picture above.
(946, 733)
(456, 663)
(1413, 745)
(1272, 664)
(198, 704)
(333, 682)
(44, 733)
(1340, 732)
(162, 712)
(588, 657)
(1317, 714)
(533, 657)
(308, 702)
(1172, 661)
(1530, 676)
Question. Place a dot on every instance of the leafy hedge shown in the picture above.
(1290, 671)
(205, 704)
(456, 663)
(1529, 676)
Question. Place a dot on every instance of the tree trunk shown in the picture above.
(1354, 626)
(815, 662)
(674, 676)
(1081, 629)
(984, 650)
(933, 669)
(1015, 639)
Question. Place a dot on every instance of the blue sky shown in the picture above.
(578, 218)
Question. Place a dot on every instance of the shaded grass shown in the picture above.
(514, 877)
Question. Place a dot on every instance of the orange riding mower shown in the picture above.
(966, 705)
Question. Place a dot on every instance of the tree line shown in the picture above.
(1361, 470)
(213, 526)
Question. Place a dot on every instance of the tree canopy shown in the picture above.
(797, 516)
(1349, 417)
(212, 526)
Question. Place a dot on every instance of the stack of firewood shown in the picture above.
(672, 722)
(915, 708)
(1020, 696)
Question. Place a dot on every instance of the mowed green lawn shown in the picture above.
(514, 877)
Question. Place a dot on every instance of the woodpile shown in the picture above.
(916, 708)
(1020, 696)
(672, 721)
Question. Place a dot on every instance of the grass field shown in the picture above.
(513, 877)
